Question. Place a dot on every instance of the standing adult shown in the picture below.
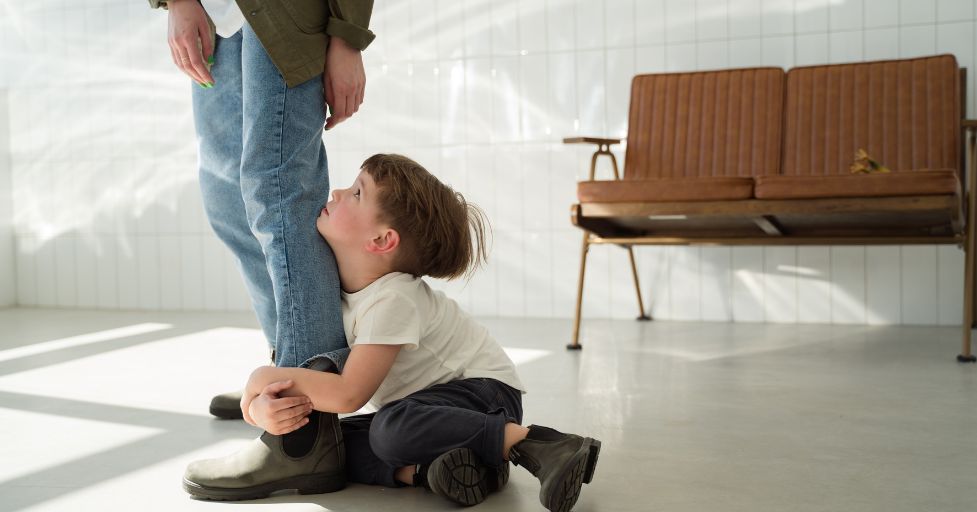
(265, 73)
(259, 112)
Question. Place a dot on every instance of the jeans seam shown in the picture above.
(287, 289)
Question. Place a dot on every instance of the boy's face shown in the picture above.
(351, 218)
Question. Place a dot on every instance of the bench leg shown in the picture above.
(575, 344)
(637, 286)
(966, 355)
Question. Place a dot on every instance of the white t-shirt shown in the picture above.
(441, 343)
(225, 14)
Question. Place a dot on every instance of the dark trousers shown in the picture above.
(469, 413)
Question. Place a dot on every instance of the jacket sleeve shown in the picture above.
(349, 20)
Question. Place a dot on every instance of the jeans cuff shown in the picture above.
(332, 361)
(494, 439)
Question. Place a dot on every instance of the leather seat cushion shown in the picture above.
(896, 183)
(665, 190)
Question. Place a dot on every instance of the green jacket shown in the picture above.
(295, 33)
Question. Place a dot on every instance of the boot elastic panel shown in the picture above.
(300, 442)
(520, 459)
(538, 433)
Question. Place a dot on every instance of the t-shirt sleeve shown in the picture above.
(390, 318)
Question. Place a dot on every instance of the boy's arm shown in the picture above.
(363, 372)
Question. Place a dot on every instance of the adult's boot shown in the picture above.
(460, 476)
(561, 462)
(227, 406)
(311, 460)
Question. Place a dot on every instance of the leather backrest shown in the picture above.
(713, 123)
(904, 113)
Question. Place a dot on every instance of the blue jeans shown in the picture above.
(264, 178)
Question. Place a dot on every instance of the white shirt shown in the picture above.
(225, 14)
(441, 343)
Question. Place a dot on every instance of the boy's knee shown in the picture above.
(390, 438)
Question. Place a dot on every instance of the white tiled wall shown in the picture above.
(107, 212)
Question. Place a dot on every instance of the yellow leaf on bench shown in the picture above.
(864, 164)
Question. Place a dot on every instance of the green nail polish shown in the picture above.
(210, 60)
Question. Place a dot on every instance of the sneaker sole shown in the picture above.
(316, 483)
(457, 476)
(580, 471)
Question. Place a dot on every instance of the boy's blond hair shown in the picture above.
(441, 234)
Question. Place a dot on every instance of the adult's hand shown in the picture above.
(190, 39)
(343, 81)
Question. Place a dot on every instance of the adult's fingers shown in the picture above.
(359, 99)
(197, 62)
(176, 61)
(185, 63)
(345, 103)
(182, 45)
(327, 94)
(340, 110)
(206, 43)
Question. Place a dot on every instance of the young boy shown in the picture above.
(449, 399)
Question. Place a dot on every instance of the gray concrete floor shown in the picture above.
(103, 410)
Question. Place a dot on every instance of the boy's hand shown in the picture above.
(276, 415)
(246, 408)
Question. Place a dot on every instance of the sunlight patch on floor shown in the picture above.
(521, 356)
(82, 339)
(159, 374)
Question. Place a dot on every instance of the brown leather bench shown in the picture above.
(759, 157)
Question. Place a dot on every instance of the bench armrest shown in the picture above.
(590, 140)
(603, 148)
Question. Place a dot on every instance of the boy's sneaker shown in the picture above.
(561, 462)
(460, 476)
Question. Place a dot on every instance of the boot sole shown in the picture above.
(457, 477)
(593, 453)
(316, 483)
(580, 471)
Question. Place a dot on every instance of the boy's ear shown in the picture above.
(384, 243)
